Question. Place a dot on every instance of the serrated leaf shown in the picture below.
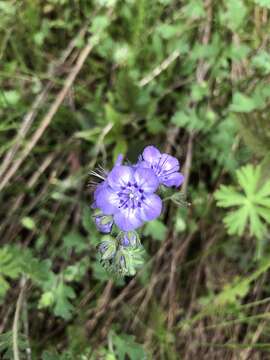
(232, 293)
(126, 346)
(63, 295)
(226, 196)
(253, 202)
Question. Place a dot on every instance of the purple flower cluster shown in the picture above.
(127, 195)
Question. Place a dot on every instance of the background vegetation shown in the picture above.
(82, 81)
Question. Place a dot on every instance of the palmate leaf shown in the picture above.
(252, 203)
(63, 295)
(58, 295)
(125, 345)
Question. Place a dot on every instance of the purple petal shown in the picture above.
(107, 200)
(119, 160)
(146, 179)
(168, 162)
(151, 154)
(93, 205)
(99, 188)
(142, 164)
(151, 207)
(128, 219)
(120, 176)
(174, 179)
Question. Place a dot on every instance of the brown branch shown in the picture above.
(50, 114)
(38, 102)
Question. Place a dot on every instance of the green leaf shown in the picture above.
(7, 8)
(89, 135)
(156, 229)
(87, 221)
(9, 264)
(75, 241)
(188, 119)
(9, 268)
(232, 293)
(47, 299)
(6, 344)
(126, 346)
(227, 196)
(263, 3)
(167, 31)
(99, 24)
(28, 223)
(242, 103)
(235, 14)
(194, 9)
(9, 98)
(261, 61)
(120, 148)
(38, 271)
(63, 295)
(253, 202)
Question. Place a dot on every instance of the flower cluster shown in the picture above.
(127, 198)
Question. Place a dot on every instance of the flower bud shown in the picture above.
(103, 222)
(107, 248)
(129, 239)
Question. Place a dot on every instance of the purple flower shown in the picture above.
(128, 195)
(165, 166)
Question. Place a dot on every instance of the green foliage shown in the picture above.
(6, 344)
(9, 268)
(15, 262)
(235, 14)
(222, 143)
(191, 77)
(58, 294)
(58, 297)
(156, 229)
(125, 345)
(263, 3)
(75, 241)
(243, 103)
(253, 203)
(262, 61)
(28, 223)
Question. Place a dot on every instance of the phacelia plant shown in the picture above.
(126, 199)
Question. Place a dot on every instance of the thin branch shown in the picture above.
(38, 102)
(15, 327)
(50, 114)
(158, 70)
(187, 165)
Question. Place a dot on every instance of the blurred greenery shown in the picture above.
(82, 81)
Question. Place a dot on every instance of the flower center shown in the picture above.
(130, 196)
